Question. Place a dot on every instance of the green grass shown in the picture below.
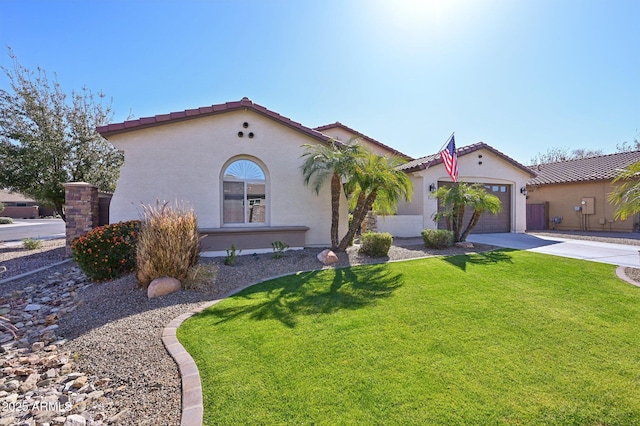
(506, 337)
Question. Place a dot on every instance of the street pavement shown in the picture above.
(612, 253)
(32, 228)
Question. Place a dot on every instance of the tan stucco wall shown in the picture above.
(493, 169)
(184, 161)
(344, 136)
(564, 198)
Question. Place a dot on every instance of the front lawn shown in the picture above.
(505, 337)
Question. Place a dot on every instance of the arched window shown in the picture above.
(244, 193)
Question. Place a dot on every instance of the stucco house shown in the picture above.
(480, 163)
(573, 194)
(238, 166)
(18, 206)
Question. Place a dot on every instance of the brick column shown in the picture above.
(81, 210)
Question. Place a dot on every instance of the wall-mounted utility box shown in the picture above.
(588, 205)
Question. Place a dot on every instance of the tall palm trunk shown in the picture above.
(359, 214)
(336, 188)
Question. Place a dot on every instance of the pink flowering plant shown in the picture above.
(107, 252)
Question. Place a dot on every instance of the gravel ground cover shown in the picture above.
(115, 330)
(17, 260)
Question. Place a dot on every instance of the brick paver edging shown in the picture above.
(623, 276)
(192, 405)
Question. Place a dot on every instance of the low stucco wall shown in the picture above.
(400, 225)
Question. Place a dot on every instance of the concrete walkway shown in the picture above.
(615, 254)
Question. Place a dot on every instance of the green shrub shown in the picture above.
(437, 238)
(278, 249)
(169, 243)
(375, 244)
(107, 252)
(232, 256)
(1, 206)
(6, 221)
(31, 244)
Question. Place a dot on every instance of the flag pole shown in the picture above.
(440, 150)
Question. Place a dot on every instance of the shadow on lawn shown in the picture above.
(485, 258)
(291, 297)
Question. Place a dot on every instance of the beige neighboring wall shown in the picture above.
(564, 198)
(184, 161)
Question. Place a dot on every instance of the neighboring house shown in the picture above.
(17, 206)
(236, 164)
(480, 163)
(573, 194)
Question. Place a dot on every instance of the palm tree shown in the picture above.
(377, 183)
(454, 201)
(627, 195)
(334, 161)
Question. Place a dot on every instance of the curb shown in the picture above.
(35, 271)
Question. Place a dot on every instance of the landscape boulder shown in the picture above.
(327, 257)
(163, 286)
(464, 245)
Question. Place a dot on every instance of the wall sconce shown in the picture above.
(523, 191)
(432, 187)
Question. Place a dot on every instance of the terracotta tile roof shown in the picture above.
(244, 103)
(434, 159)
(602, 167)
(363, 136)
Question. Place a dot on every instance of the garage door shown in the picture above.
(489, 223)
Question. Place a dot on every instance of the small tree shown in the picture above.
(627, 194)
(46, 142)
(1, 207)
(454, 202)
(554, 155)
(376, 184)
(336, 162)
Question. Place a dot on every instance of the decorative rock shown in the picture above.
(32, 307)
(163, 286)
(327, 257)
(37, 346)
(79, 382)
(464, 244)
(75, 420)
(30, 383)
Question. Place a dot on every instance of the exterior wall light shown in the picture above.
(523, 191)
(432, 187)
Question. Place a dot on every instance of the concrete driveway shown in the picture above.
(615, 254)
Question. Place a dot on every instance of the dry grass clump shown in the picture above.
(201, 276)
(168, 244)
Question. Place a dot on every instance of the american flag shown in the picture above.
(450, 159)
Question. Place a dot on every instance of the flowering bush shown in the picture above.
(107, 252)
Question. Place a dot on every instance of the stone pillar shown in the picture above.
(81, 210)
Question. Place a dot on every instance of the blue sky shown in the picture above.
(521, 75)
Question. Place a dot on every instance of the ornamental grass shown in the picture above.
(168, 244)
